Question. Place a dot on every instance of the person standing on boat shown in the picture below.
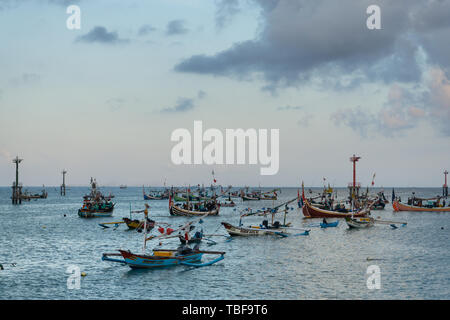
(187, 236)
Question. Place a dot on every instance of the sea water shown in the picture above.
(41, 239)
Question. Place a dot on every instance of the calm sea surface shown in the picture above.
(38, 243)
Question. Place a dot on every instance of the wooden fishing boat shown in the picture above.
(96, 204)
(250, 198)
(310, 211)
(358, 223)
(274, 228)
(138, 225)
(27, 196)
(96, 209)
(255, 231)
(155, 196)
(163, 258)
(267, 197)
(398, 206)
(176, 210)
(227, 204)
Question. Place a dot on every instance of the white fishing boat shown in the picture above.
(359, 222)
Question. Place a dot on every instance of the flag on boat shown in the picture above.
(373, 179)
(167, 231)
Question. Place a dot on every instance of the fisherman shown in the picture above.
(324, 221)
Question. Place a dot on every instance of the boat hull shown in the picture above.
(269, 198)
(313, 212)
(398, 206)
(359, 223)
(147, 197)
(247, 198)
(137, 224)
(248, 232)
(135, 261)
(94, 214)
(177, 211)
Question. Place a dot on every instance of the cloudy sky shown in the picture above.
(103, 100)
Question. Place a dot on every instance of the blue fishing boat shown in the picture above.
(329, 225)
(162, 258)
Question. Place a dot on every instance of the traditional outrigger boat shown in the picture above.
(227, 204)
(420, 204)
(132, 224)
(361, 222)
(27, 196)
(162, 258)
(310, 211)
(365, 222)
(275, 228)
(163, 195)
(398, 206)
(250, 198)
(96, 209)
(210, 208)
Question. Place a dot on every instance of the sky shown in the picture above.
(102, 101)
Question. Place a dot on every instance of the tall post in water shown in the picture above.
(16, 189)
(353, 193)
(445, 187)
(63, 186)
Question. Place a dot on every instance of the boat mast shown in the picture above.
(145, 227)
